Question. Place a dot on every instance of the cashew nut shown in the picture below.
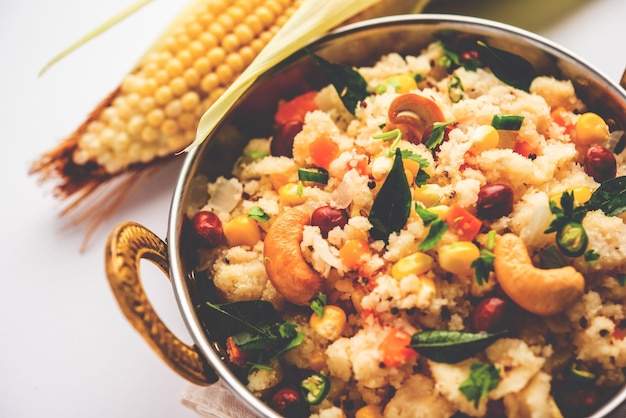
(285, 266)
(540, 291)
(412, 114)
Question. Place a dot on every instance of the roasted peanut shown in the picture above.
(540, 291)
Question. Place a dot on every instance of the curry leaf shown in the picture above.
(508, 67)
(451, 346)
(392, 205)
(349, 83)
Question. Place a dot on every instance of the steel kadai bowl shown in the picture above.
(359, 44)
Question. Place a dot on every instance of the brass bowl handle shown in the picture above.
(126, 246)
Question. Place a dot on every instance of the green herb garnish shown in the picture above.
(255, 326)
(258, 214)
(318, 303)
(483, 266)
(621, 278)
(392, 205)
(436, 135)
(437, 227)
(482, 379)
(349, 83)
(610, 197)
(510, 68)
(452, 346)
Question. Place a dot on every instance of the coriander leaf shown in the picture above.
(451, 346)
(349, 84)
(257, 213)
(410, 155)
(436, 135)
(392, 205)
(318, 303)
(482, 379)
(483, 266)
(427, 216)
(436, 230)
(610, 197)
(510, 68)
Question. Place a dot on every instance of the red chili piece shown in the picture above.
(207, 228)
(600, 163)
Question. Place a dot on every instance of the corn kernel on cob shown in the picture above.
(154, 112)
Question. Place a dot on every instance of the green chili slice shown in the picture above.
(507, 122)
(572, 239)
(315, 388)
(314, 174)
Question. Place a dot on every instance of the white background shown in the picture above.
(66, 350)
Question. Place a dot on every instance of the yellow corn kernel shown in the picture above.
(402, 83)
(483, 138)
(416, 263)
(331, 324)
(369, 411)
(242, 230)
(291, 194)
(202, 53)
(590, 129)
(457, 257)
(427, 194)
(581, 196)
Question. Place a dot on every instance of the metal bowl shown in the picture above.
(358, 44)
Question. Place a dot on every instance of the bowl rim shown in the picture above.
(174, 225)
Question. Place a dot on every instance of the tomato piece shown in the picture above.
(395, 348)
(465, 225)
(296, 108)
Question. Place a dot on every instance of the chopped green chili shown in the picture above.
(572, 239)
(507, 122)
(315, 388)
(314, 174)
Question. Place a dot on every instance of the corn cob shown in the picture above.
(153, 114)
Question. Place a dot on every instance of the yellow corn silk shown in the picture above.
(155, 111)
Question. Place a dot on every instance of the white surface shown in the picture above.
(67, 350)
